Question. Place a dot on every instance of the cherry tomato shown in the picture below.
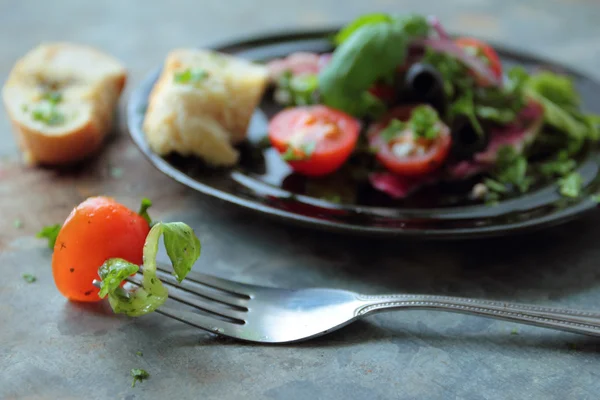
(417, 156)
(97, 229)
(485, 51)
(314, 140)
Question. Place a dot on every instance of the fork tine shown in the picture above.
(212, 307)
(201, 321)
(236, 288)
(208, 292)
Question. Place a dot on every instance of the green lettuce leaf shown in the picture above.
(183, 249)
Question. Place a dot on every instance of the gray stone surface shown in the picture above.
(52, 349)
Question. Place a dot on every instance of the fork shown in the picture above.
(274, 315)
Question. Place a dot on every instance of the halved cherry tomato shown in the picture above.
(314, 140)
(97, 229)
(419, 156)
(484, 50)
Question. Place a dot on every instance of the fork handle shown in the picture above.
(549, 317)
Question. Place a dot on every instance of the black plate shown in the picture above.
(264, 183)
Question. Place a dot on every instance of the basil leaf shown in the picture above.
(29, 278)
(51, 233)
(367, 19)
(344, 82)
(143, 212)
(183, 249)
(113, 272)
(182, 245)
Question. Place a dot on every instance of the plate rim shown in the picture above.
(136, 133)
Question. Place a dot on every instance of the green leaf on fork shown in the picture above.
(183, 248)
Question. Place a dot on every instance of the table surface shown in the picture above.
(50, 348)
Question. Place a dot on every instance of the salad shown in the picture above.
(410, 107)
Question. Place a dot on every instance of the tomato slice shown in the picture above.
(483, 50)
(97, 229)
(314, 140)
(406, 155)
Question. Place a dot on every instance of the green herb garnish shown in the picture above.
(52, 97)
(49, 116)
(392, 130)
(511, 169)
(146, 204)
(570, 185)
(424, 122)
(139, 353)
(183, 249)
(138, 375)
(49, 232)
(297, 90)
(191, 76)
(303, 152)
(345, 81)
(29, 278)
(17, 223)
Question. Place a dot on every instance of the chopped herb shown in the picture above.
(138, 375)
(560, 166)
(296, 90)
(392, 130)
(511, 168)
(146, 204)
(304, 152)
(49, 232)
(139, 353)
(570, 185)
(49, 116)
(52, 97)
(18, 223)
(29, 278)
(424, 122)
(515, 331)
(191, 76)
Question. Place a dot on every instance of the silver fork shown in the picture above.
(273, 315)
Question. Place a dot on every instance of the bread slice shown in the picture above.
(60, 98)
(202, 104)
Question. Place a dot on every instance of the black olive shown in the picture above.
(424, 84)
(466, 141)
